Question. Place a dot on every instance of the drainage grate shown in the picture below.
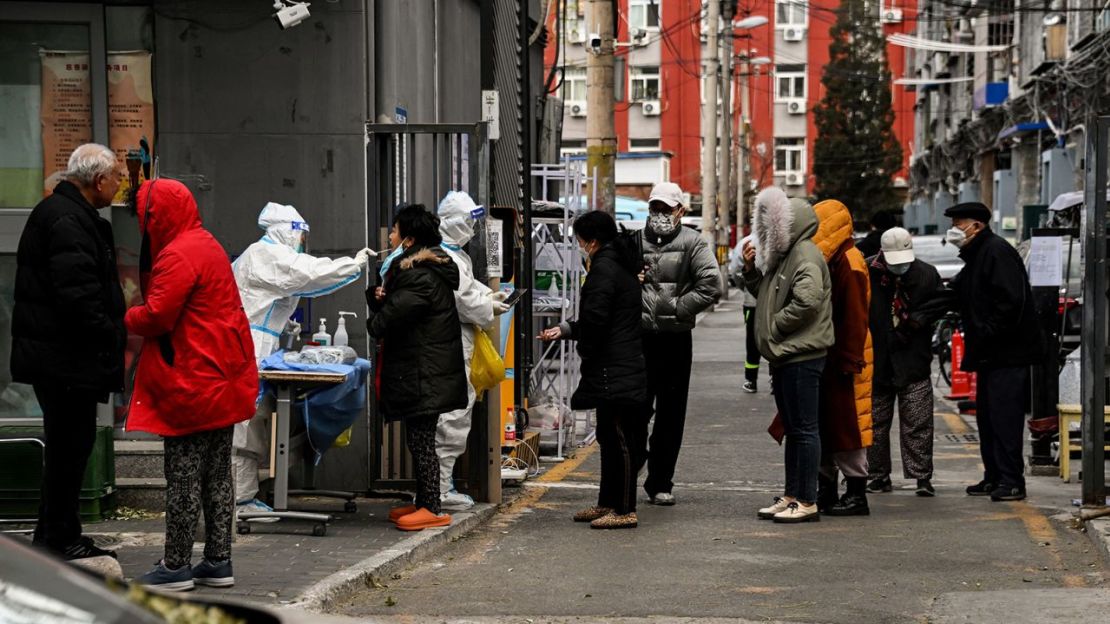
(960, 438)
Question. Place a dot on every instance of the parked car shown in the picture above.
(933, 249)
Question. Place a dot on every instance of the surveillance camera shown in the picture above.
(289, 14)
(595, 43)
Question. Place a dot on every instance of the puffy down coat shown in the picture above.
(608, 333)
(682, 279)
(420, 365)
(845, 413)
(196, 369)
(67, 326)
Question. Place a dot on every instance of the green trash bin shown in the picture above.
(21, 475)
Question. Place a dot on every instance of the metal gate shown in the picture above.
(418, 164)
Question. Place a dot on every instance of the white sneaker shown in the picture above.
(456, 501)
(797, 512)
(778, 506)
(255, 505)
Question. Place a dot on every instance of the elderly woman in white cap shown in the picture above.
(901, 339)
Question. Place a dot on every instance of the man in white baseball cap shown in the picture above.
(901, 339)
(680, 281)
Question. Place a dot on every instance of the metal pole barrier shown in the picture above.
(1093, 378)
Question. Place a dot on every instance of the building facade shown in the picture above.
(660, 45)
(1004, 122)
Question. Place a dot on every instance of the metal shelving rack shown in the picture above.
(556, 369)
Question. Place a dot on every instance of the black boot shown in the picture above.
(854, 501)
(826, 492)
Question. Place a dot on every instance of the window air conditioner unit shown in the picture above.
(577, 109)
(651, 108)
(639, 37)
(892, 16)
(795, 179)
(796, 106)
(793, 34)
(577, 36)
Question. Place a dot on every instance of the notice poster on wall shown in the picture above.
(67, 113)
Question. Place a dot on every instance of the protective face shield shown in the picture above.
(457, 213)
(898, 269)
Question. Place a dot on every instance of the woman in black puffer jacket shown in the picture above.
(420, 363)
(613, 372)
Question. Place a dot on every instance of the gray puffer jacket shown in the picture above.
(682, 280)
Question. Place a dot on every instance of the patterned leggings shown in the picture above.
(420, 433)
(198, 475)
(915, 414)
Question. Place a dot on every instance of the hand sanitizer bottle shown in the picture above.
(341, 331)
(322, 337)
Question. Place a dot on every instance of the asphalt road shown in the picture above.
(947, 559)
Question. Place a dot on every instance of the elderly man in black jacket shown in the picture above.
(1002, 340)
(68, 335)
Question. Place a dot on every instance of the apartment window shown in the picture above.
(644, 83)
(790, 155)
(643, 145)
(790, 12)
(641, 14)
(790, 82)
(574, 84)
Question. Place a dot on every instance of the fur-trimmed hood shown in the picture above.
(434, 260)
(777, 224)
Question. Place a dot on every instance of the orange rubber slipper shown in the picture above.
(422, 519)
(396, 513)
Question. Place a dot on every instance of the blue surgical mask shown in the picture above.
(898, 269)
(396, 253)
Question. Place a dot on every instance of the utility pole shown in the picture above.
(724, 205)
(710, 64)
(742, 145)
(601, 135)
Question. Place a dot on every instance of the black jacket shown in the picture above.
(421, 362)
(903, 355)
(608, 333)
(996, 305)
(67, 326)
(871, 244)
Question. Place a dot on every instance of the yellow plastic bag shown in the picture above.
(486, 366)
(344, 438)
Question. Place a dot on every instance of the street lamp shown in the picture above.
(750, 22)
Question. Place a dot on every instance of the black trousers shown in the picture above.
(69, 425)
(751, 349)
(621, 438)
(669, 357)
(420, 434)
(1000, 414)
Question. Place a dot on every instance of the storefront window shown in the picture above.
(29, 53)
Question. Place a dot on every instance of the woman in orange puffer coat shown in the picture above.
(845, 418)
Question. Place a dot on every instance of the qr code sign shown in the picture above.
(494, 228)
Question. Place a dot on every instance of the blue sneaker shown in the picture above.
(257, 506)
(162, 577)
(213, 574)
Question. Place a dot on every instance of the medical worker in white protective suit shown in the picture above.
(273, 274)
(477, 305)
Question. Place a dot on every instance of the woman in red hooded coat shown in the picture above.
(196, 378)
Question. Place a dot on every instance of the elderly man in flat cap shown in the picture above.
(1002, 340)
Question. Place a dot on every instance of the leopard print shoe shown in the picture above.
(590, 514)
(614, 521)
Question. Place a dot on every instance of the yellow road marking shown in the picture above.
(531, 496)
(1040, 529)
(955, 423)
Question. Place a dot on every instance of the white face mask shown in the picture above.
(956, 236)
(661, 224)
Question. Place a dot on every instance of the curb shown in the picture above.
(1099, 532)
(341, 585)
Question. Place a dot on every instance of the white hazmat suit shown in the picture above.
(272, 275)
(477, 305)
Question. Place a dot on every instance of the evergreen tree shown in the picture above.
(857, 154)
